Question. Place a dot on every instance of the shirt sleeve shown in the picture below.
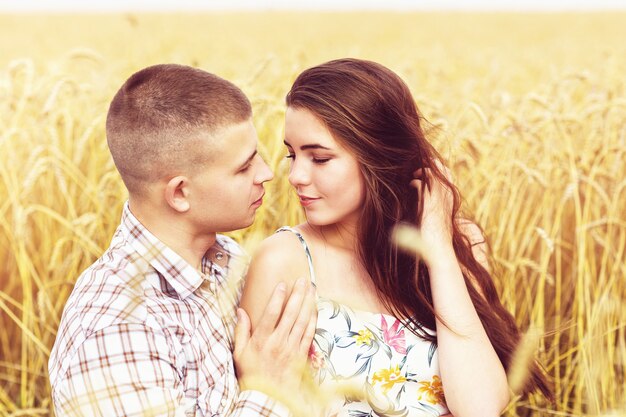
(257, 404)
(123, 370)
(131, 370)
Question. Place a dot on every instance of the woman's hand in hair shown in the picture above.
(472, 375)
(436, 220)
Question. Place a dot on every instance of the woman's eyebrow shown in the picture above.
(308, 146)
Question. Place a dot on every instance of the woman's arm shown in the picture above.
(279, 258)
(473, 377)
(273, 270)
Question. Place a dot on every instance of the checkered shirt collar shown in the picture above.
(178, 273)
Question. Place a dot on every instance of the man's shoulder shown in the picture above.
(113, 292)
(110, 291)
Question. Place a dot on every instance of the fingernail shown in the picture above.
(300, 282)
(238, 314)
(282, 286)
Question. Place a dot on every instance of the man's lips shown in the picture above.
(259, 201)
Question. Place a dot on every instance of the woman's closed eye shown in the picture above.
(316, 160)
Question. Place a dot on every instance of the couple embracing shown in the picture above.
(153, 327)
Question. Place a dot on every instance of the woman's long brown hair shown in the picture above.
(371, 112)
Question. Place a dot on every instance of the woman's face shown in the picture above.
(326, 175)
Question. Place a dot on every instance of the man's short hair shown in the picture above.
(159, 113)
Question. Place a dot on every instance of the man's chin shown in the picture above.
(233, 227)
(248, 223)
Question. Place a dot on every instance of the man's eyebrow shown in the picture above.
(308, 146)
(250, 158)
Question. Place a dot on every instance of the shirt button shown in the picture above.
(223, 402)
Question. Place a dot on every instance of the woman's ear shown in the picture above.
(177, 194)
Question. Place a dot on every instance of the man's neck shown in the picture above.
(174, 233)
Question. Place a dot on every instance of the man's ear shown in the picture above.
(177, 193)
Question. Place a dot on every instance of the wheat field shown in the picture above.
(528, 109)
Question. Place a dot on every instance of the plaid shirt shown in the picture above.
(145, 333)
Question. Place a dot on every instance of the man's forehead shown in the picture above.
(234, 143)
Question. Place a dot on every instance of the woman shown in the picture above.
(418, 337)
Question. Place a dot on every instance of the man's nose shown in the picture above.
(265, 173)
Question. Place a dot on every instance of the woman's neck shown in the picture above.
(342, 236)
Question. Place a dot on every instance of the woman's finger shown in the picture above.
(420, 173)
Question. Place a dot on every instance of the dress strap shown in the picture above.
(306, 250)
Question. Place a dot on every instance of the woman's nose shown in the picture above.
(298, 174)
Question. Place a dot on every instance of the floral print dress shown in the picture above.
(394, 371)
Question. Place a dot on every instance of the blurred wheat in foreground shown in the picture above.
(529, 110)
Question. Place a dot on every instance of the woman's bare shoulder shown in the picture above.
(278, 258)
(281, 249)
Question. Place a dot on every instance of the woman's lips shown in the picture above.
(307, 201)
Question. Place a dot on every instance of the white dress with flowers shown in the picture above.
(383, 368)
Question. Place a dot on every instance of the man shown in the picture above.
(146, 330)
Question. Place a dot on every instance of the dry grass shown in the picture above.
(529, 109)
